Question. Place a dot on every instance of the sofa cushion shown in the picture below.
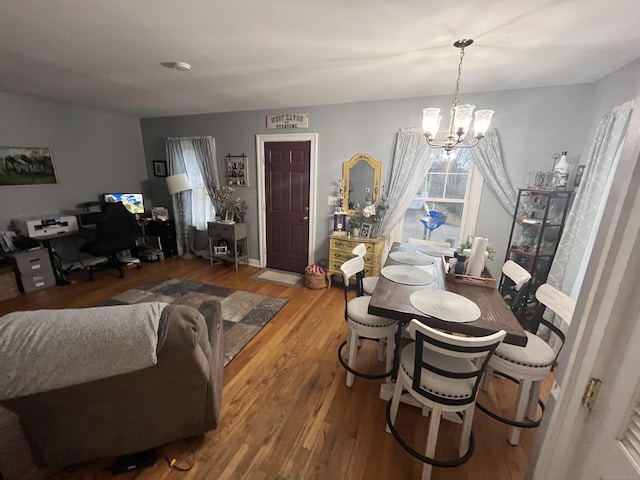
(43, 350)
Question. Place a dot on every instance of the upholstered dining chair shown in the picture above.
(368, 283)
(362, 325)
(529, 365)
(442, 372)
(517, 277)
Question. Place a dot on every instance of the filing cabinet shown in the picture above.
(33, 268)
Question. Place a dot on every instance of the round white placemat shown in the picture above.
(437, 251)
(444, 305)
(407, 275)
(412, 258)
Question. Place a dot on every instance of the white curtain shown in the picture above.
(574, 249)
(411, 162)
(487, 157)
(193, 156)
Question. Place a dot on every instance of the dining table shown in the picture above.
(393, 299)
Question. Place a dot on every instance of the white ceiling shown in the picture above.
(269, 54)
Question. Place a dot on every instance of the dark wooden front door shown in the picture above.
(287, 167)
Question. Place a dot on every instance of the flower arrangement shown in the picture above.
(220, 196)
(239, 207)
(372, 213)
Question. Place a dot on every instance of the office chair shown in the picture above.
(116, 230)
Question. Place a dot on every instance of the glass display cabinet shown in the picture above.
(538, 221)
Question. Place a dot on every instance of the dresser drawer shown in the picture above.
(40, 280)
(226, 230)
(32, 262)
(334, 266)
(349, 245)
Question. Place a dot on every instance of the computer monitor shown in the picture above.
(134, 202)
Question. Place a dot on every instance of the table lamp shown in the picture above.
(177, 184)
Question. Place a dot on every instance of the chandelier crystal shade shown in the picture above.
(460, 120)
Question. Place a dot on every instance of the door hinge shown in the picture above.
(591, 392)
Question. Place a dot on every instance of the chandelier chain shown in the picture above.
(457, 94)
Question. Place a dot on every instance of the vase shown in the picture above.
(355, 231)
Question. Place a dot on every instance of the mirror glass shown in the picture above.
(361, 175)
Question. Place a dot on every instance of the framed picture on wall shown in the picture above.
(237, 171)
(160, 168)
(26, 166)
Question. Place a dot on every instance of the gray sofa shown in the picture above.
(178, 397)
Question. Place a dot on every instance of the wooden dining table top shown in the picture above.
(391, 300)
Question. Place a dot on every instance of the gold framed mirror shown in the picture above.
(361, 177)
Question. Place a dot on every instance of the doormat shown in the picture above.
(243, 313)
(280, 277)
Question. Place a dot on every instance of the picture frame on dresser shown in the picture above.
(365, 230)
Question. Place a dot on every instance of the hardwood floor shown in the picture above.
(287, 413)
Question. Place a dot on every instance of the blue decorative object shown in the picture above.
(432, 221)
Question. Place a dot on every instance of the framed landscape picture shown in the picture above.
(26, 166)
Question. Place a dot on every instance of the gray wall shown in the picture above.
(93, 152)
(533, 125)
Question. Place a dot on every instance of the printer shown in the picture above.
(46, 226)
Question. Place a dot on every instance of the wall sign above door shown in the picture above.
(287, 120)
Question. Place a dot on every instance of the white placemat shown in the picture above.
(437, 251)
(412, 258)
(407, 275)
(444, 305)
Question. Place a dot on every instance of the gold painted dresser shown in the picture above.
(340, 247)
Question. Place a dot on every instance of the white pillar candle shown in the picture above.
(476, 260)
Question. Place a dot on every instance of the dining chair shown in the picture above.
(531, 364)
(430, 243)
(362, 325)
(368, 283)
(442, 372)
(517, 277)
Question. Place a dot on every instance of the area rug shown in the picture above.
(271, 275)
(243, 313)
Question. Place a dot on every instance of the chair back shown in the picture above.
(516, 273)
(559, 303)
(116, 229)
(360, 250)
(352, 267)
(419, 241)
(473, 354)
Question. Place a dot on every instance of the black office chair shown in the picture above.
(116, 230)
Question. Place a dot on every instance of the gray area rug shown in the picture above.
(244, 313)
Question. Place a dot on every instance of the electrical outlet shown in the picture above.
(333, 201)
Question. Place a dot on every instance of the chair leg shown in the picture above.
(395, 402)
(382, 346)
(391, 351)
(353, 349)
(523, 399)
(432, 440)
(465, 436)
(534, 395)
(486, 379)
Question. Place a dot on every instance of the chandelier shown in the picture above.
(460, 117)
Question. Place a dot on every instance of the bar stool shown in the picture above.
(442, 372)
(364, 326)
(531, 364)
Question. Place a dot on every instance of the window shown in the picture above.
(453, 188)
(202, 210)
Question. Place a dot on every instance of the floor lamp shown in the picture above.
(177, 184)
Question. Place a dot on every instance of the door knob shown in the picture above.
(305, 218)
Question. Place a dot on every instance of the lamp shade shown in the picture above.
(178, 183)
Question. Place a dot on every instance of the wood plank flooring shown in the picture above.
(286, 411)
